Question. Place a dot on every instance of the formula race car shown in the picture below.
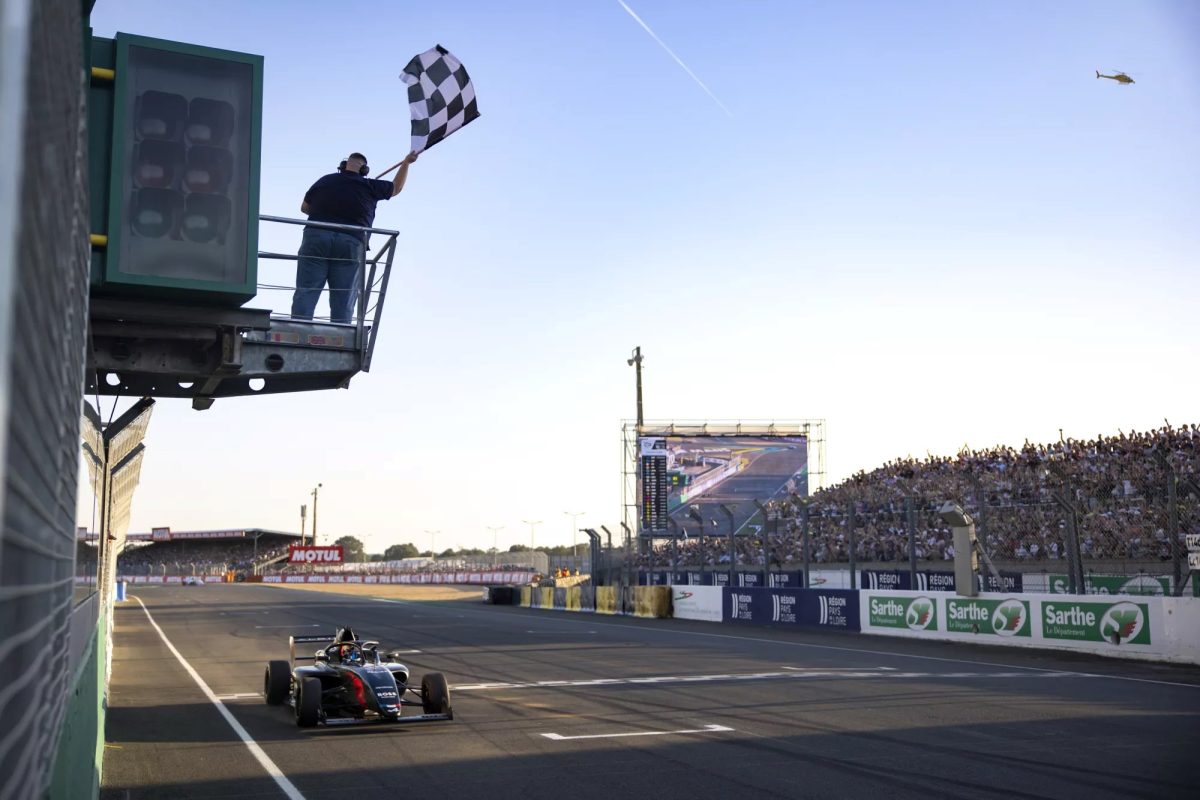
(350, 682)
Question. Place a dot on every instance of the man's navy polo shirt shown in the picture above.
(346, 198)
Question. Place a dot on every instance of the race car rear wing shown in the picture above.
(308, 638)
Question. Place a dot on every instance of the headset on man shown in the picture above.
(364, 170)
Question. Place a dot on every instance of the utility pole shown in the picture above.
(532, 527)
(314, 496)
(636, 362)
(303, 522)
(432, 548)
(495, 529)
(575, 515)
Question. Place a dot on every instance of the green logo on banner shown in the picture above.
(1116, 623)
(1008, 617)
(914, 613)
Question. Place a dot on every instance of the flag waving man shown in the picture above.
(441, 99)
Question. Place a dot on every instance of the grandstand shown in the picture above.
(215, 552)
(1125, 496)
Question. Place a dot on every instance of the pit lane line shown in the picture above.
(259, 754)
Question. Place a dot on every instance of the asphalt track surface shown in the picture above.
(772, 713)
(762, 479)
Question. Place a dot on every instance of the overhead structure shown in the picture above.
(175, 137)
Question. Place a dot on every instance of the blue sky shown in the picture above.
(927, 223)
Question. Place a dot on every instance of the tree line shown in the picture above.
(354, 552)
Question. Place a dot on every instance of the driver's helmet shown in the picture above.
(350, 654)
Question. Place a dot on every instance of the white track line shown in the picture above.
(287, 786)
(832, 674)
(706, 729)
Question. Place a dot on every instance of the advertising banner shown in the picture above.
(934, 581)
(786, 580)
(830, 579)
(697, 602)
(1008, 617)
(1117, 623)
(828, 608)
(750, 579)
(1134, 627)
(314, 554)
(909, 613)
(700, 579)
(1154, 585)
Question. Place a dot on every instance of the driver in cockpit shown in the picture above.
(350, 654)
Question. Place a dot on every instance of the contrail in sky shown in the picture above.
(678, 60)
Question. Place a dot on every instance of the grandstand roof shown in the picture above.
(167, 535)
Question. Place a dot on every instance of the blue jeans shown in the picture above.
(329, 257)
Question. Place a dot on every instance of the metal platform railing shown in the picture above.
(163, 348)
(371, 278)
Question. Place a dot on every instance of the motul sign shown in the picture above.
(314, 555)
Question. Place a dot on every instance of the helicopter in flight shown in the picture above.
(1120, 77)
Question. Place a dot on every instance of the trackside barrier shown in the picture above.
(501, 595)
(1147, 627)
(652, 601)
(607, 599)
(572, 598)
(559, 599)
(546, 600)
(1157, 628)
(587, 598)
(406, 578)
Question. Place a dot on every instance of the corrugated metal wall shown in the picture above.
(46, 326)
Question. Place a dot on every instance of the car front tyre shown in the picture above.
(308, 703)
(435, 694)
(277, 682)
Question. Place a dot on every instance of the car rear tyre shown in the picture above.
(308, 703)
(435, 693)
(277, 682)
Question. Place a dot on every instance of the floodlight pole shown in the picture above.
(314, 497)
(303, 521)
(432, 547)
(532, 527)
(495, 529)
(636, 362)
(575, 515)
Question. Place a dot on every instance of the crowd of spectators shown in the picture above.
(1022, 499)
(198, 556)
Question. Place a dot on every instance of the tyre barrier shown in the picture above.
(526, 596)
(607, 599)
(501, 595)
(652, 601)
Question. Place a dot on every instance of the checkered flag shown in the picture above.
(441, 97)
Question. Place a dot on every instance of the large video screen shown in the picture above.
(678, 473)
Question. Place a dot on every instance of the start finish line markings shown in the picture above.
(759, 676)
(706, 729)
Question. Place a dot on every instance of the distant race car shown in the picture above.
(350, 682)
